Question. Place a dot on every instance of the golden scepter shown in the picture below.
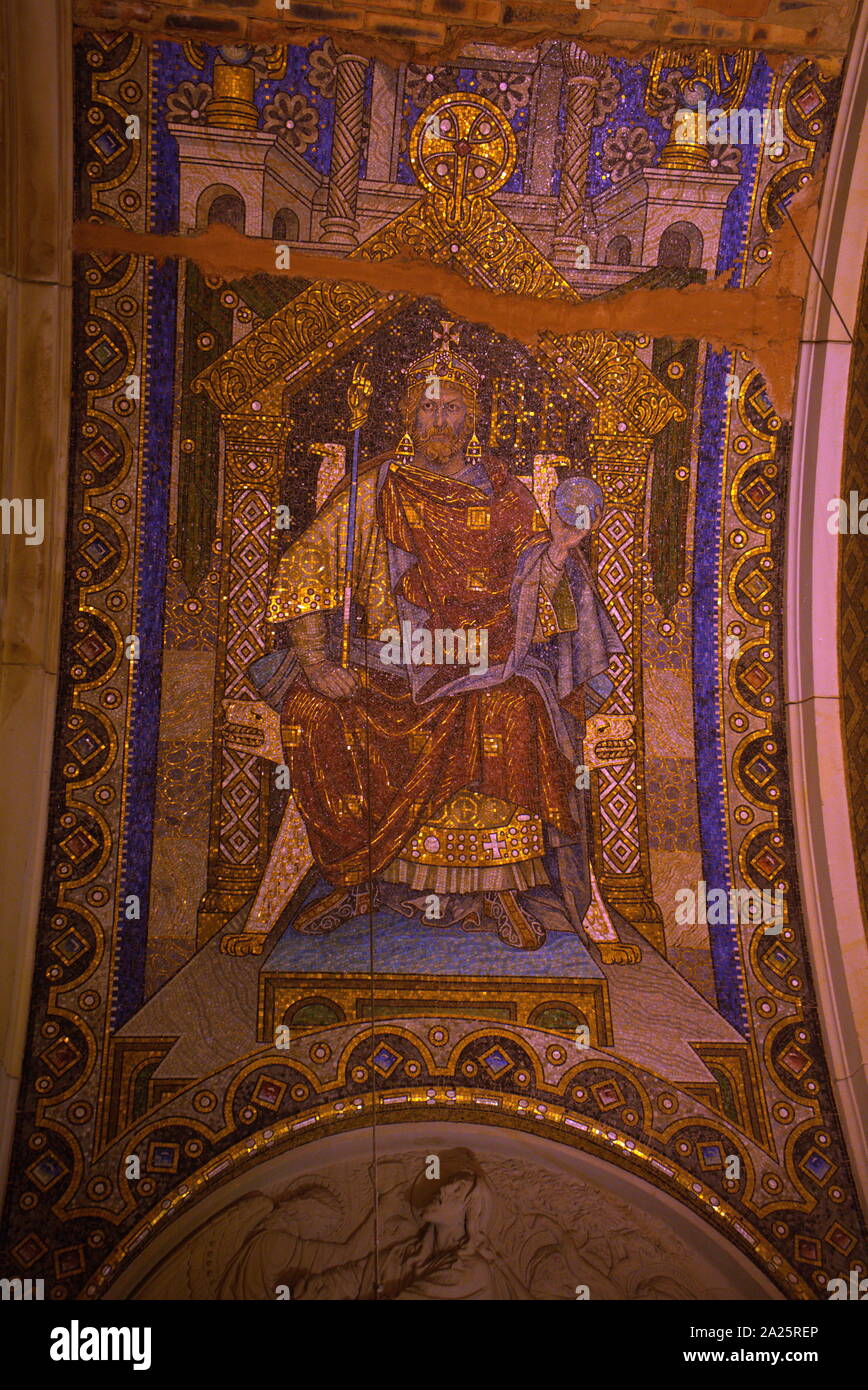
(358, 399)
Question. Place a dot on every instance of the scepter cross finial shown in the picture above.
(359, 397)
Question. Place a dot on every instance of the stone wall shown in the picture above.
(423, 25)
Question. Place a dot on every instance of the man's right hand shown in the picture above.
(331, 680)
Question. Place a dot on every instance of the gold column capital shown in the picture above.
(247, 427)
(254, 447)
(232, 105)
(620, 454)
(580, 62)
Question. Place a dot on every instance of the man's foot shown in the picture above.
(246, 943)
(514, 925)
(453, 909)
(337, 907)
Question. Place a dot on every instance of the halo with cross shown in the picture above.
(462, 147)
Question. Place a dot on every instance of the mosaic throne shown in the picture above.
(457, 225)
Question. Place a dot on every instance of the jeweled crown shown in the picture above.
(444, 363)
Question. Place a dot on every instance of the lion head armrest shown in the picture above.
(609, 738)
(251, 726)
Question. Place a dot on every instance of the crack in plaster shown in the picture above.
(621, 29)
(763, 320)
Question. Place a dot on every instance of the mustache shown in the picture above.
(442, 434)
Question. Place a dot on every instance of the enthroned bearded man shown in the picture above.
(451, 789)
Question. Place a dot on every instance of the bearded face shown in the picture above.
(441, 427)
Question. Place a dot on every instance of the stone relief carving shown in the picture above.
(492, 1229)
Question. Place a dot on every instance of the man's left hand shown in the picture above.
(564, 537)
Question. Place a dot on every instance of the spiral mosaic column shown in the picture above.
(339, 224)
(583, 71)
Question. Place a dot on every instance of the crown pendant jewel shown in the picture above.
(406, 448)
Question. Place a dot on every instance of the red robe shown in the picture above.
(368, 770)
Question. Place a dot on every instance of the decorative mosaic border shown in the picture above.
(794, 1217)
